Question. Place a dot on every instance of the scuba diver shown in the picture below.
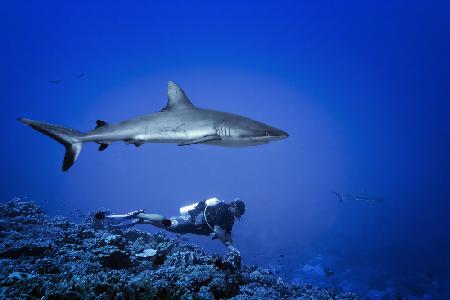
(210, 217)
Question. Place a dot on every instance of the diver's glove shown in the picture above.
(232, 248)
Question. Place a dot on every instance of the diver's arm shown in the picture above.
(219, 233)
(224, 237)
(228, 242)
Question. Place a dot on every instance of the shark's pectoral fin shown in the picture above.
(204, 139)
(103, 147)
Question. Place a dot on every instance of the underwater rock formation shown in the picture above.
(52, 258)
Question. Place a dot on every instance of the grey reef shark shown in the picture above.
(179, 122)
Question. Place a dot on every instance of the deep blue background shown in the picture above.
(362, 88)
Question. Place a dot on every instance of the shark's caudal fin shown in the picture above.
(71, 139)
(176, 98)
(341, 198)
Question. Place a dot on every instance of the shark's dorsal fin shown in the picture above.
(177, 99)
(100, 123)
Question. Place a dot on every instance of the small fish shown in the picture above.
(55, 81)
(80, 75)
(328, 271)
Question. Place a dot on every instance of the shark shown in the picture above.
(179, 122)
(363, 198)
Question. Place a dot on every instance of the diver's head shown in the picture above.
(237, 208)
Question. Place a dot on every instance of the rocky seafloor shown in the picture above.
(52, 258)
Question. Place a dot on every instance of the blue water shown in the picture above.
(362, 88)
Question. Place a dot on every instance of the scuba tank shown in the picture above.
(184, 211)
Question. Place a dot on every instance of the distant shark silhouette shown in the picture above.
(179, 122)
(363, 198)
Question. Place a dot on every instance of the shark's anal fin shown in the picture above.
(103, 147)
(100, 123)
(204, 139)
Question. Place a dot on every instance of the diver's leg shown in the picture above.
(174, 224)
(151, 217)
(181, 225)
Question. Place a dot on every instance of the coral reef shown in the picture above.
(51, 258)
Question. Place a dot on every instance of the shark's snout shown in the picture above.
(283, 134)
(279, 134)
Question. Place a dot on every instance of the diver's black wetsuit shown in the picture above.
(215, 220)
(216, 215)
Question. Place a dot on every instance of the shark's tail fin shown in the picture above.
(69, 138)
(341, 198)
